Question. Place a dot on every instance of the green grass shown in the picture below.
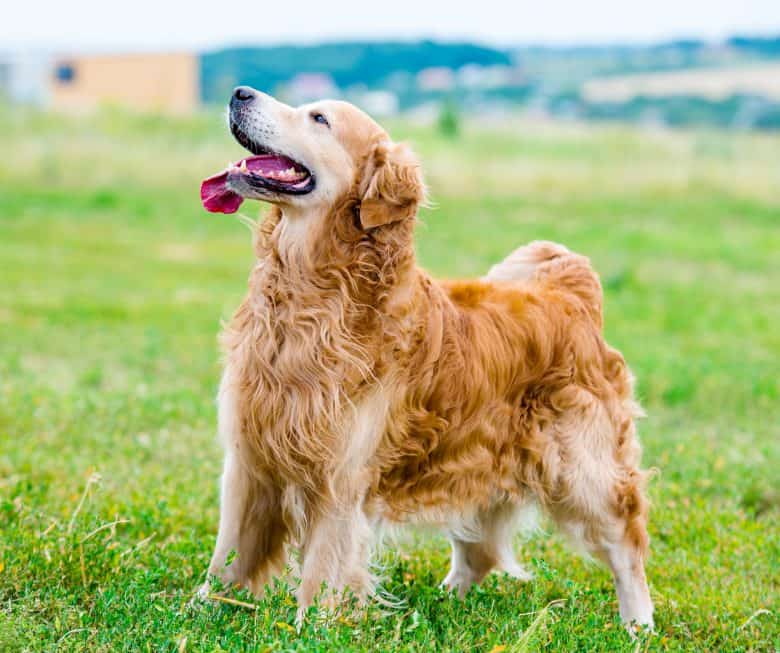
(113, 282)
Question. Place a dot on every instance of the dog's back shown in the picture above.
(530, 403)
(504, 363)
(543, 261)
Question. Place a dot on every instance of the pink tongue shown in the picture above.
(217, 197)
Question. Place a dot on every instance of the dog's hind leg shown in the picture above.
(627, 564)
(599, 500)
(616, 545)
(484, 546)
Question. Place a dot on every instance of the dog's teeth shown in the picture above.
(243, 166)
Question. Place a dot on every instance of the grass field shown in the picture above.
(113, 282)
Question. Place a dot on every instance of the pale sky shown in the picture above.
(111, 25)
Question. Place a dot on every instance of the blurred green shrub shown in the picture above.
(449, 120)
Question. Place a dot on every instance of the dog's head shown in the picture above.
(311, 156)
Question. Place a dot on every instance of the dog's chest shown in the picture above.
(301, 387)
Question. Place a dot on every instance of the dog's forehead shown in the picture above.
(355, 129)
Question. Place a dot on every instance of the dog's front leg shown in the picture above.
(251, 527)
(250, 519)
(335, 553)
(234, 494)
(337, 541)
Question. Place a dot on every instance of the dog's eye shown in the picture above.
(318, 117)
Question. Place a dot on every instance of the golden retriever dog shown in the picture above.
(359, 392)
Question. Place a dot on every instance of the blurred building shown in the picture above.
(167, 83)
(308, 87)
(437, 78)
(24, 77)
(379, 104)
(474, 76)
(761, 79)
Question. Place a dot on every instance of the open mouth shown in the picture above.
(263, 173)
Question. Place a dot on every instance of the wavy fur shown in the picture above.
(362, 391)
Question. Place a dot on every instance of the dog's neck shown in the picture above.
(327, 252)
(293, 235)
(311, 333)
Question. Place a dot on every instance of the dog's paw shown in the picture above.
(458, 584)
(518, 572)
(636, 629)
(200, 597)
(208, 591)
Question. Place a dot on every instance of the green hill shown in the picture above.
(347, 63)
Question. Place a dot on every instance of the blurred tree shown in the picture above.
(449, 120)
(348, 63)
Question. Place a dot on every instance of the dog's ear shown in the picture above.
(393, 186)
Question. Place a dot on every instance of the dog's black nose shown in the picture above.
(243, 94)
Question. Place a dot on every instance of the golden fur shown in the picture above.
(360, 391)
